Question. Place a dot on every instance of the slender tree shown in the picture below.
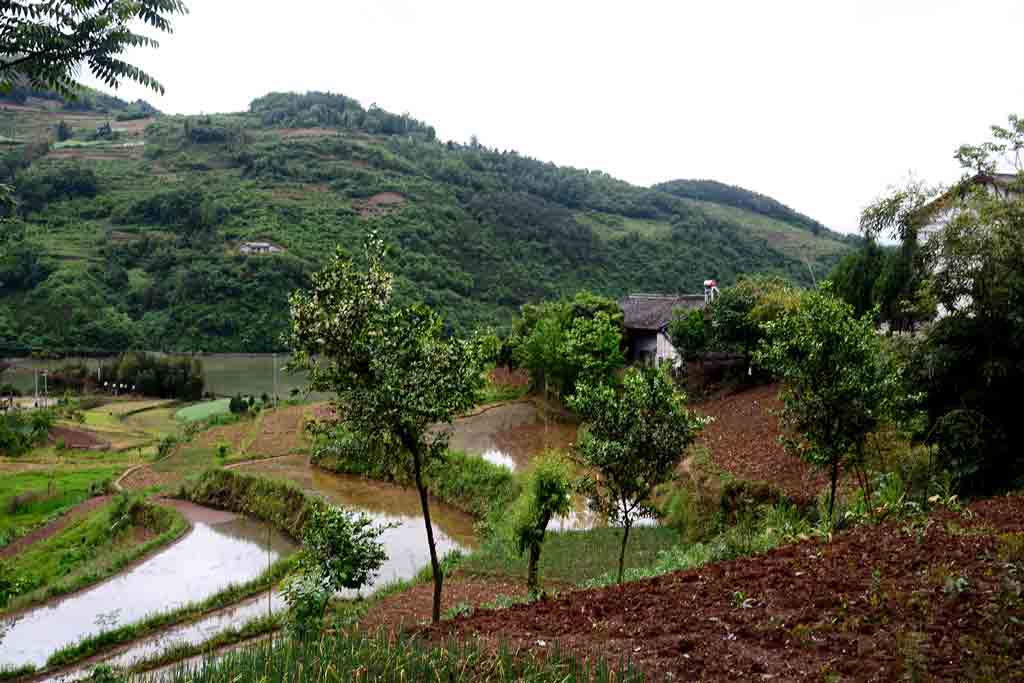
(632, 442)
(838, 382)
(547, 493)
(393, 372)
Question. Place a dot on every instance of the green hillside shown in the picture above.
(133, 236)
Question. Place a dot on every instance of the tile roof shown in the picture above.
(655, 311)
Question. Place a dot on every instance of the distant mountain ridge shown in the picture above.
(135, 234)
(741, 198)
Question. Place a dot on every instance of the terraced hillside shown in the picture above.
(134, 238)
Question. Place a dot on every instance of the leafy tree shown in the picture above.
(394, 373)
(738, 312)
(838, 382)
(547, 493)
(562, 342)
(592, 350)
(633, 439)
(46, 43)
(340, 550)
(689, 333)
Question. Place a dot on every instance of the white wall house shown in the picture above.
(646, 318)
(259, 248)
(945, 208)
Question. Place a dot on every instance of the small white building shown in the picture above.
(936, 215)
(260, 248)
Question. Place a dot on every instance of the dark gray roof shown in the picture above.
(655, 311)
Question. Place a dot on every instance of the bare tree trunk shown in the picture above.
(532, 578)
(435, 566)
(622, 551)
(832, 498)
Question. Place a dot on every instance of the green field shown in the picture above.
(202, 411)
(44, 492)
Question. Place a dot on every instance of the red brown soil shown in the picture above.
(507, 376)
(54, 527)
(868, 606)
(744, 441)
(78, 439)
(277, 432)
(379, 204)
(412, 607)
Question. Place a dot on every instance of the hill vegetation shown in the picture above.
(133, 232)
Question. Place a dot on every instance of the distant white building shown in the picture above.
(260, 248)
(937, 214)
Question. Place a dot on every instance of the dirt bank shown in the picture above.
(937, 594)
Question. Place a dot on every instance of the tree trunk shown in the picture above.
(832, 498)
(531, 568)
(435, 566)
(532, 579)
(622, 551)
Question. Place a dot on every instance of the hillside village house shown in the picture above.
(938, 213)
(259, 248)
(646, 318)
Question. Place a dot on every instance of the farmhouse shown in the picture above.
(937, 214)
(646, 318)
(260, 248)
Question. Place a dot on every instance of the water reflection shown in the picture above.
(405, 543)
(205, 561)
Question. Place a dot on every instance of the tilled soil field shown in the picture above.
(744, 440)
(936, 598)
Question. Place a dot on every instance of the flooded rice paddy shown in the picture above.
(405, 543)
(221, 549)
(510, 434)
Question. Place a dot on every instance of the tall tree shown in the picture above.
(633, 439)
(392, 370)
(45, 42)
(838, 382)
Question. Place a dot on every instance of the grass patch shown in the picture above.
(357, 656)
(31, 499)
(204, 410)
(91, 549)
(466, 482)
(573, 557)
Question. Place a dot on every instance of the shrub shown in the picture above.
(546, 494)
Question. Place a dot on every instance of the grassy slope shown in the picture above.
(57, 490)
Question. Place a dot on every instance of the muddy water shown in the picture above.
(221, 549)
(405, 543)
(510, 434)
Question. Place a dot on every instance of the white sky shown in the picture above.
(820, 103)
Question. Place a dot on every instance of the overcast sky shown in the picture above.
(820, 103)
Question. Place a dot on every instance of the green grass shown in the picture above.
(573, 557)
(357, 656)
(88, 551)
(202, 411)
(55, 490)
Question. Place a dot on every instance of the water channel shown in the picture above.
(221, 549)
(224, 548)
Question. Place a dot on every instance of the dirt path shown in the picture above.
(54, 527)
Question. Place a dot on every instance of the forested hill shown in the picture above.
(134, 235)
(731, 195)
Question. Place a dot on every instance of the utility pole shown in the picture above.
(275, 380)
